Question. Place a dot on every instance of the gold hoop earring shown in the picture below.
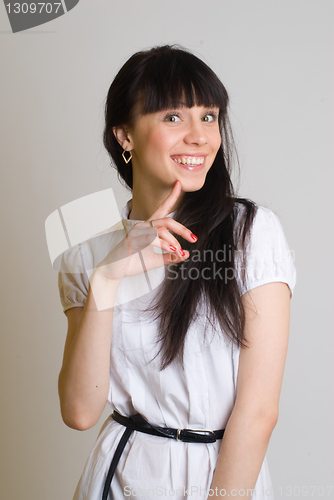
(124, 157)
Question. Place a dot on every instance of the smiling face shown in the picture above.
(172, 145)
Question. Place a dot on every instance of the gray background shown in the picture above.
(275, 58)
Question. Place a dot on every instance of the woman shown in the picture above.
(189, 336)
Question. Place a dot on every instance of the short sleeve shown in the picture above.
(73, 280)
(269, 258)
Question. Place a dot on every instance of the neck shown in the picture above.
(146, 200)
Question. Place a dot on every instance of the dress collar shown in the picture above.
(129, 223)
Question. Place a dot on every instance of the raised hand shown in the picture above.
(135, 254)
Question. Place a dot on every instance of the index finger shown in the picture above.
(166, 206)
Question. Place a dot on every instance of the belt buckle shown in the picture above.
(202, 431)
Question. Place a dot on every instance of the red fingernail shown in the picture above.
(182, 252)
(172, 248)
(193, 236)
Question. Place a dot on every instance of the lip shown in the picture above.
(190, 168)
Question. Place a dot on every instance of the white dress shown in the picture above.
(200, 396)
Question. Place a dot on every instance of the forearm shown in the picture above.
(241, 455)
(84, 377)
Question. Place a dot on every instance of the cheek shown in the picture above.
(218, 141)
(159, 145)
(154, 143)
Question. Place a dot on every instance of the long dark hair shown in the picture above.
(163, 78)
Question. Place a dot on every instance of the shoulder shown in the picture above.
(267, 233)
(266, 256)
(265, 217)
(77, 263)
(256, 218)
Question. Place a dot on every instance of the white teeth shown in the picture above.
(190, 160)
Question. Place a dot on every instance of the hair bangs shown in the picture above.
(169, 82)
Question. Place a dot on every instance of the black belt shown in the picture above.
(138, 423)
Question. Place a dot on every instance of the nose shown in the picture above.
(195, 134)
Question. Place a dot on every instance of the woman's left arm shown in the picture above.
(260, 374)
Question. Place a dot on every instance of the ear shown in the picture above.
(122, 137)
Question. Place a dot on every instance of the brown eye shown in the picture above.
(172, 117)
(209, 118)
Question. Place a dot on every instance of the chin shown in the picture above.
(189, 186)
